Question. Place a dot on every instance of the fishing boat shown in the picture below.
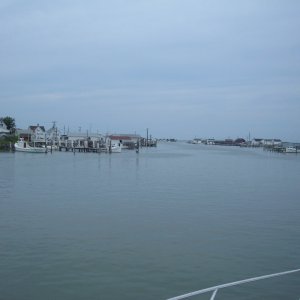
(23, 146)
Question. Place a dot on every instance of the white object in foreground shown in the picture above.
(214, 289)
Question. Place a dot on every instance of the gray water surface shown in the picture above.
(153, 225)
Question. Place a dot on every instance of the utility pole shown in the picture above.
(147, 138)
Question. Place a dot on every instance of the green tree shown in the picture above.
(10, 123)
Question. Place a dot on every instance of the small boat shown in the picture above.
(23, 146)
(196, 141)
(116, 148)
(53, 147)
(290, 150)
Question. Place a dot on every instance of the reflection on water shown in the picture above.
(7, 176)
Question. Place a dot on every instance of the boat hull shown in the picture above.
(30, 150)
(116, 149)
(23, 147)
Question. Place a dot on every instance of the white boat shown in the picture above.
(196, 141)
(116, 148)
(290, 150)
(23, 146)
(53, 147)
(113, 146)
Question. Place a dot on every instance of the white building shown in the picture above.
(84, 140)
(125, 140)
(3, 129)
(38, 133)
(53, 135)
(265, 142)
(257, 142)
(272, 142)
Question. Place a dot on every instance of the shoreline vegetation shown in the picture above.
(7, 142)
(7, 133)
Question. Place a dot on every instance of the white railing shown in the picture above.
(215, 289)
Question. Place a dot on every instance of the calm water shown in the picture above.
(167, 221)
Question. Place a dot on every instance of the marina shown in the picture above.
(37, 139)
(149, 150)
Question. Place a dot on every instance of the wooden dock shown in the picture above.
(82, 149)
(282, 149)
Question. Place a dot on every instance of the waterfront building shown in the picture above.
(128, 141)
(240, 142)
(53, 135)
(272, 142)
(265, 142)
(3, 129)
(24, 134)
(83, 140)
(38, 133)
(257, 142)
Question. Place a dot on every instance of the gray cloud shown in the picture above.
(201, 67)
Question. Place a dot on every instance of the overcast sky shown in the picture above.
(183, 69)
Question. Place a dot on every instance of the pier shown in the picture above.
(82, 149)
(282, 149)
